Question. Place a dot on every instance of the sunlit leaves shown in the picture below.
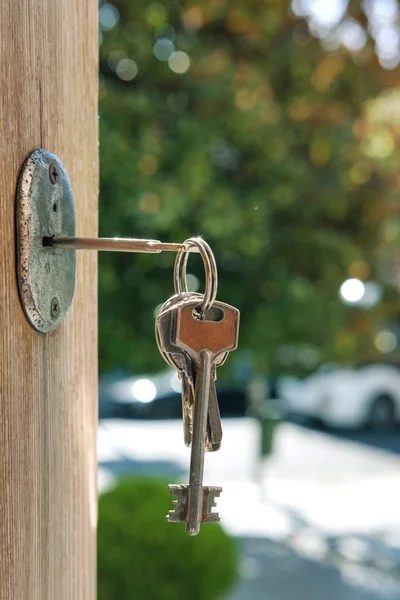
(233, 122)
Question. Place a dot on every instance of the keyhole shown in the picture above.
(55, 207)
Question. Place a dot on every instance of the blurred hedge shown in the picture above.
(141, 556)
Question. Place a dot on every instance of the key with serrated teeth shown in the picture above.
(174, 356)
(206, 340)
(187, 367)
(182, 362)
(165, 323)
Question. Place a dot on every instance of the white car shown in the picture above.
(365, 396)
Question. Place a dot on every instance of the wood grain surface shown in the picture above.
(48, 383)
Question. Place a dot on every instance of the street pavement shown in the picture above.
(274, 572)
(319, 519)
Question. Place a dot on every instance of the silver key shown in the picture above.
(206, 341)
(182, 360)
(177, 361)
(176, 358)
(187, 371)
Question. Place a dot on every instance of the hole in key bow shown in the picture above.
(214, 314)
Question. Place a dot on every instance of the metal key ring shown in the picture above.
(210, 268)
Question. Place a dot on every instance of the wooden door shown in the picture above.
(48, 383)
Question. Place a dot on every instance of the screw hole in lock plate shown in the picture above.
(44, 208)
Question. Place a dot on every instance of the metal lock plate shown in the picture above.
(44, 208)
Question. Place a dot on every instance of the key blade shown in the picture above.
(186, 363)
(202, 393)
(165, 322)
(187, 408)
(214, 426)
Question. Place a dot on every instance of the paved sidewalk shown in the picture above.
(325, 499)
(271, 571)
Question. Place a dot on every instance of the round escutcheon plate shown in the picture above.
(44, 208)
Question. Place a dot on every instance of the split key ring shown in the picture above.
(210, 269)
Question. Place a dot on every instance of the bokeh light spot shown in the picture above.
(179, 62)
(385, 341)
(108, 16)
(163, 49)
(193, 18)
(144, 390)
(351, 34)
(156, 14)
(379, 145)
(352, 290)
(126, 69)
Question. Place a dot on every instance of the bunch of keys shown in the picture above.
(195, 333)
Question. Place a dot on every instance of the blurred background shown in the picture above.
(272, 129)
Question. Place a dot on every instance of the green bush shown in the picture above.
(141, 556)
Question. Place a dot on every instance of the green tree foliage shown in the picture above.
(278, 151)
(140, 555)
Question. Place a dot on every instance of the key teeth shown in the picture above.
(176, 489)
(179, 512)
(210, 493)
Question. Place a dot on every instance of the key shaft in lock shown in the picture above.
(46, 244)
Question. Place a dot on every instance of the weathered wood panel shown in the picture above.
(48, 383)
